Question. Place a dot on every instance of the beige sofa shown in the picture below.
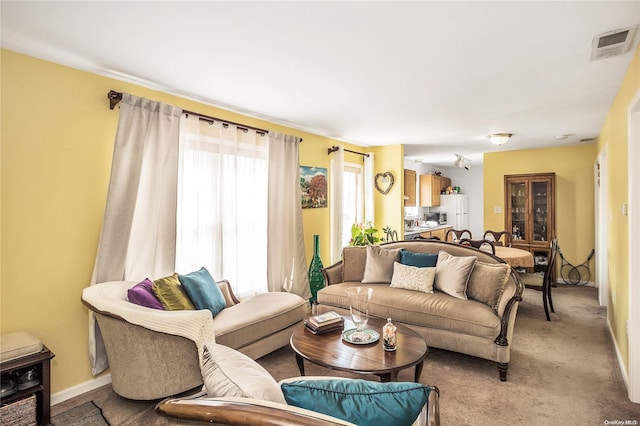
(154, 354)
(466, 326)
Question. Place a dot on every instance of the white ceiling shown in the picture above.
(435, 76)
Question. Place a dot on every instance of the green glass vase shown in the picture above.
(316, 278)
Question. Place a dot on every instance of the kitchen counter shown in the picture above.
(409, 233)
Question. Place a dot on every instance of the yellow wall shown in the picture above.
(614, 137)
(575, 226)
(389, 208)
(57, 142)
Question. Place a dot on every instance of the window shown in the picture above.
(352, 200)
(222, 204)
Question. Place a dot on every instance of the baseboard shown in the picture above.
(76, 390)
(623, 370)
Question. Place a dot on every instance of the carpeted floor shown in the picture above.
(561, 372)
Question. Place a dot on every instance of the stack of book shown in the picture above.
(324, 323)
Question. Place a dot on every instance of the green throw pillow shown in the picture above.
(358, 401)
(170, 293)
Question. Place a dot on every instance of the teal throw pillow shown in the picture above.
(203, 291)
(421, 260)
(358, 401)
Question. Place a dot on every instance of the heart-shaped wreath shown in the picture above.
(383, 182)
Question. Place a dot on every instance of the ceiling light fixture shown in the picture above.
(462, 162)
(500, 138)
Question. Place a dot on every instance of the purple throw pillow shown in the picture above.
(141, 294)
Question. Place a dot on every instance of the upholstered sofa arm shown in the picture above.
(505, 311)
(333, 274)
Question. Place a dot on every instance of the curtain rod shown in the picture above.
(116, 97)
(335, 148)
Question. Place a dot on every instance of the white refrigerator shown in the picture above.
(457, 208)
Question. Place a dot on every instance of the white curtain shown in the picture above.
(286, 262)
(335, 203)
(368, 178)
(138, 233)
(222, 204)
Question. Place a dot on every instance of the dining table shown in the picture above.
(515, 256)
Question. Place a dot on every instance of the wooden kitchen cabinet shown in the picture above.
(440, 233)
(430, 186)
(410, 179)
(446, 182)
(530, 202)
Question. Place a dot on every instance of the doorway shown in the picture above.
(602, 231)
(634, 248)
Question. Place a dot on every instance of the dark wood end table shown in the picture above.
(329, 350)
(42, 362)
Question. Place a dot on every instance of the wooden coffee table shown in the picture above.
(329, 350)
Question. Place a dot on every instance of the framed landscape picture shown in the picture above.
(313, 182)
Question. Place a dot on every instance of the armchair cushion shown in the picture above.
(203, 291)
(142, 294)
(171, 294)
(359, 401)
(229, 373)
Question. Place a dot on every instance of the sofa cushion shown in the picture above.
(203, 291)
(229, 373)
(170, 293)
(487, 282)
(435, 310)
(423, 260)
(142, 294)
(379, 264)
(413, 278)
(354, 259)
(452, 274)
(360, 401)
(258, 316)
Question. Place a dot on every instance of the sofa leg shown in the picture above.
(502, 368)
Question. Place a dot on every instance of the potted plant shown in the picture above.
(363, 235)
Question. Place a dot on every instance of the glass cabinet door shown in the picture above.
(540, 210)
(518, 210)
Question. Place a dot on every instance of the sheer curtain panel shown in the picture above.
(368, 178)
(222, 203)
(286, 261)
(335, 199)
(138, 233)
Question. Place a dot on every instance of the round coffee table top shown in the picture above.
(329, 350)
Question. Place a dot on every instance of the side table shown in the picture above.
(42, 362)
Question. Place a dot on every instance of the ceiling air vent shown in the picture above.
(612, 43)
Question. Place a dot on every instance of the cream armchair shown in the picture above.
(154, 354)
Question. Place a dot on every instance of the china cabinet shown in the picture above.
(530, 202)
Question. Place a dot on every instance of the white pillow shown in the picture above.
(452, 274)
(229, 373)
(413, 278)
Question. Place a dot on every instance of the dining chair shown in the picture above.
(497, 237)
(543, 283)
(457, 234)
(484, 245)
